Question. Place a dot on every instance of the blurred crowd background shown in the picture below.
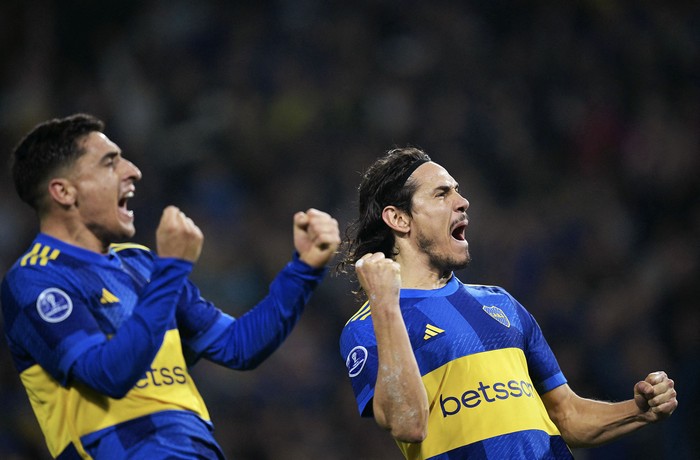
(572, 127)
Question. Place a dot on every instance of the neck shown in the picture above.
(417, 273)
(71, 233)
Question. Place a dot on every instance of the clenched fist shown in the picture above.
(316, 237)
(178, 236)
(380, 278)
(656, 396)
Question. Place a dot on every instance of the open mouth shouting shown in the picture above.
(459, 229)
(123, 200)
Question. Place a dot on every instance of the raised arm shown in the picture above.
(247, 341)
(589, 423)
(116, 365)
(400, 401)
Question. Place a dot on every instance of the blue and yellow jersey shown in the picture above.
(484, 362)
(103, 344)
(59, 303)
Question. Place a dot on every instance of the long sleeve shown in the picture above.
(114, 366)
(245, 342)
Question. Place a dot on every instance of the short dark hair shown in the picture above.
(384, 183)
(51, 145)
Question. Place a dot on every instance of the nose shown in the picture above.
(132, 171)
(462, 204)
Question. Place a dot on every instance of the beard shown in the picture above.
(446, 263)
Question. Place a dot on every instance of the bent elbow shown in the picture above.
(413, 429)
(111, 392)
(117, 390)
(412, 435)
(116, 394)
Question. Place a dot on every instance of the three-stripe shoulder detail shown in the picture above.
(40, 254)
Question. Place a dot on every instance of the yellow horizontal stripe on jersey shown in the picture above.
(66, 414)
(478, 397)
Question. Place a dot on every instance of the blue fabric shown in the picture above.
(100, 320)
(168, 434)
(471, 320)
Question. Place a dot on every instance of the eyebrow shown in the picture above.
(110, 155)
(447, 188)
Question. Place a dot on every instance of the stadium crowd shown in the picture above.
(573, 129)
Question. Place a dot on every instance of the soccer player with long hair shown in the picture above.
(451, 370)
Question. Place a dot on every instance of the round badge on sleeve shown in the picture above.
(54, 305)
(356, 360)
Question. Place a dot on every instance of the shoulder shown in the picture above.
(359, 324)
(362, 314)
(480, 290)
(40, 262)
(495, 295)
(357, 340)
(36, 279)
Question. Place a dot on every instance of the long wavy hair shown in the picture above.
(383, 184)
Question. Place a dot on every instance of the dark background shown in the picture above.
(572, 129)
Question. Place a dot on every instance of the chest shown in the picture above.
(445, 329)
(111, 294)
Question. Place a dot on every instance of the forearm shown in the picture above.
(253, 337)
(400, 401)
(115, 366)
(591, 423)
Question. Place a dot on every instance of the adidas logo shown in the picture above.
(108, 297)
(431, 331)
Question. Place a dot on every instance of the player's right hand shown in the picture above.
(380, 278)
(178, 236)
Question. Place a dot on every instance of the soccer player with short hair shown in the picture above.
(457, 371)
(103, 332)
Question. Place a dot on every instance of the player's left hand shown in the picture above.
(316, 237)
(656, 396)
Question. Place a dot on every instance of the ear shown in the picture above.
(62, 191)
(396, 219)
